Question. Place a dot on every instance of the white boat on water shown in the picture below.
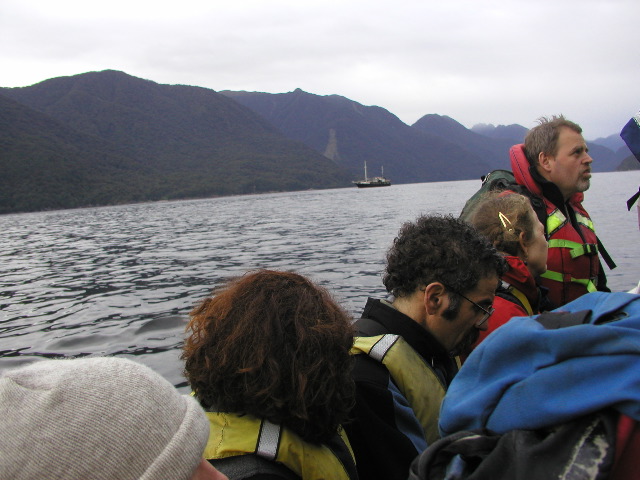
(372, 182)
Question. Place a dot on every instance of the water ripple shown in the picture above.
(121, 280)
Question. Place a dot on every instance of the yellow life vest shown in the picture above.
(416, 380)
(231, 435)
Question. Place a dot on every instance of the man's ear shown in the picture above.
(435, 299)
(544, 161)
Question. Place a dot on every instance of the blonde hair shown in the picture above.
(502, 217)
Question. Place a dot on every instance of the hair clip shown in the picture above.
(503, 218)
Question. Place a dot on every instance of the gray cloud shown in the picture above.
(500, 61)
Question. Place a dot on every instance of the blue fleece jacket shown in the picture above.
(527, 376)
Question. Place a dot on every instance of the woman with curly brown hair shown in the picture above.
(268, 358)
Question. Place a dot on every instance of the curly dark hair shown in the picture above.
(276, 346)
(438, 248)
(543, 138)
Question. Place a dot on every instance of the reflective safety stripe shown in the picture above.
(555, 221)
(416, 380)
(380, 348)
(586, 221)
(577, 249)
(558, 277)
(268, 440)
(231, 435)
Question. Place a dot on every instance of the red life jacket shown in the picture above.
(626, 463)
(572, 263)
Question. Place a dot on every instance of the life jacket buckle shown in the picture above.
(590, 249)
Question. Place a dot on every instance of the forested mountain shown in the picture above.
(494, 150)
(607, 152)
(629, 163)
(181, 141)
(45, 164)
(434, 148)
(351, 133)
(612, 142)
(103, 138)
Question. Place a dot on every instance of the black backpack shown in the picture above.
(583, 449)
(499, 180)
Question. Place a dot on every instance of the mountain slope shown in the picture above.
(195, 141)
(494, 150)
(47, 165)
(605, 159)
(351, 134)
(512, 133)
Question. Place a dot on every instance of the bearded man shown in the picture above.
(442, 276)
(554, 166)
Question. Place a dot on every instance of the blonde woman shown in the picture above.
(511, 225)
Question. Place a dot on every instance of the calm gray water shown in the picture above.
(121, 280)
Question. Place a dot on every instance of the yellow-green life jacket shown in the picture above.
(415, 379)
(232, 435)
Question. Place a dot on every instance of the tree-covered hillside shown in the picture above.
(106, 137)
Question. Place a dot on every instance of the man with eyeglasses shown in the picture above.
(442, 276)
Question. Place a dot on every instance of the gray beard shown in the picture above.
(583, 185)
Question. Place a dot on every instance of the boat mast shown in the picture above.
(365, 171)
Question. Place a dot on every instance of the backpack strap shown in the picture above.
(605, 255)
(633, 199)
(511, 293)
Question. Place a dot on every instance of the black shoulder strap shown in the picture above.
(633, 199)
(605, 255)
(342, 453)
(370, 328)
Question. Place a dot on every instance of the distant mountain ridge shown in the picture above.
(435, 148)
(493, 150)
(509, 132)
(351, 133)
(183, 142)
(103, 138)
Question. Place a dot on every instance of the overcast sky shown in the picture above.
(477, 61)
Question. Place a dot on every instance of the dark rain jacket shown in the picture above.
(386, 433)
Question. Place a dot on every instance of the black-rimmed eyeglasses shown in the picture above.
(487, 313)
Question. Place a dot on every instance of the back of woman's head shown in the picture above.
(502, 217)
(274, 345)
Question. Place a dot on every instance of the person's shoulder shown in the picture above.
(253, 467)
(367, 371)
(505, 310)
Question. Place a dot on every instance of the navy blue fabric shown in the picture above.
(631, 135)
(525, 376)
